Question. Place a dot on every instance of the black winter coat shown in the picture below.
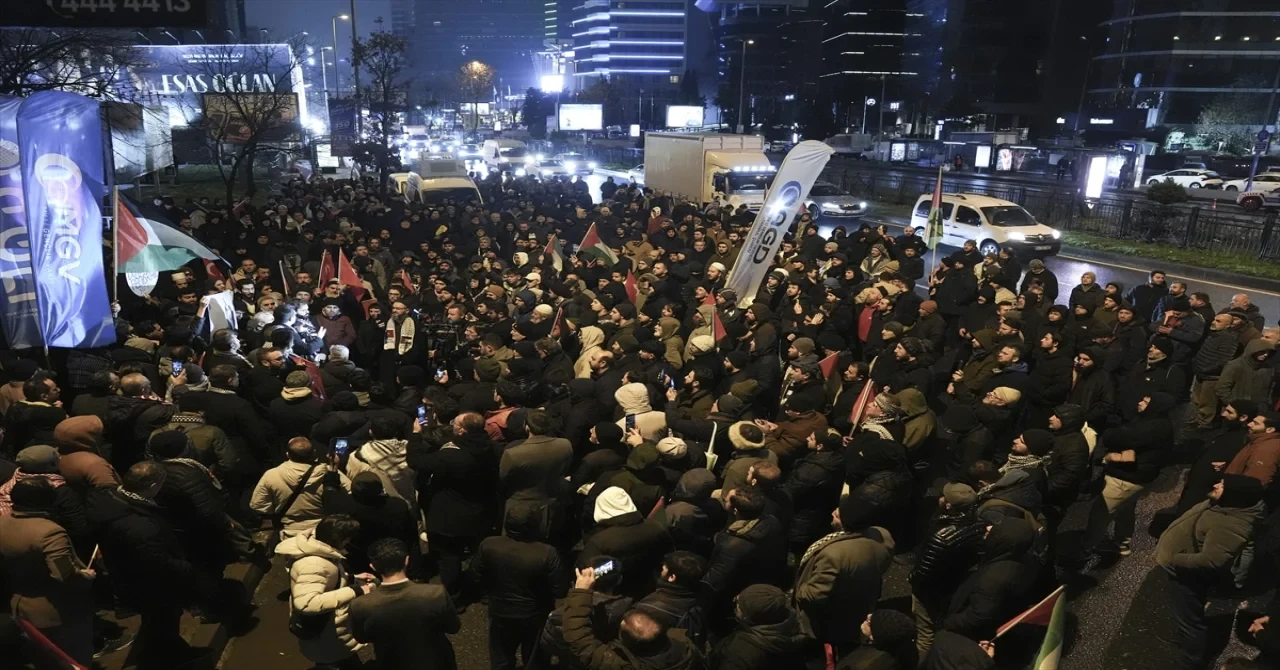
(27, 423)
(762, 647)
(815, 483)
(1051, 378)
(456, 485)
(745, 553)
(947, 555)
(140, 548)
(196, 506)
(1095, 392)
(295, 418)
(380, 517)
(637, 543)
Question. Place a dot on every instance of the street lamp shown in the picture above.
(175, 39)
(324, 76)
(867, 101)
(742, 82)
(337, 72)
(1084, 85)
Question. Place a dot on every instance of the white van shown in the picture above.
(506, 155)
(407, 184)
(991, 222)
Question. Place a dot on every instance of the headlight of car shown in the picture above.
(593, 165)
(1056, 235)
(830, 207)
(547, 172)
(520, 172)
(1020, 237)
(570, 165)
(862, 205)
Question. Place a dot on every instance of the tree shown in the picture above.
(688, 93)
(606, 94)
(475, 83)
(383, 57)
(1231, 120)
(245, 117)
(534, 112)
(81, 61)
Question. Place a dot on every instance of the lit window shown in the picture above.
(1217, 38)
(1176, 38)
(1244, 39)
(675, 79)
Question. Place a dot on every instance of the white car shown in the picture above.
(1189, 177)
(636, 174)
(577, 163)
(553, 168)
(991, 222)
(1253, 201)
(1267, 181)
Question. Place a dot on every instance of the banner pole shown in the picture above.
(115, 244)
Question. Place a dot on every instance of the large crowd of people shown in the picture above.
(425, 406)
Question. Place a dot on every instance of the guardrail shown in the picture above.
(1188, 225)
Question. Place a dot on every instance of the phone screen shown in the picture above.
(340, 446)
(440, 373)
(422, 415)
(604, 569)
(671, 383)
(177, 368)
(631, 422)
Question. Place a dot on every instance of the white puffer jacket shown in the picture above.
(318, 584)
(634, 400)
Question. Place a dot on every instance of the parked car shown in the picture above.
(991, 222)
(636, 174)
(1190, 178)
(826, 199)
(1253, 201)
(554, 168)
(1267, 181)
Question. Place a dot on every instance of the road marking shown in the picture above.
(1088, 261)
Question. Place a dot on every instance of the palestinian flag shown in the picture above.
(150, 244)
(828, 364)
(595, 248)
(859, 408)
(551, 254)
(1050, 613)
(933, 236)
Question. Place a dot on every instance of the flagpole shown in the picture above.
(115, 244)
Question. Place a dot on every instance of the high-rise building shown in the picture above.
(403, 19)
(863, 58)
(779, 42)
(636, 42)
(1177, 56)
(505, 34)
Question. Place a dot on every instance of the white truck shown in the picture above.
(706, 166)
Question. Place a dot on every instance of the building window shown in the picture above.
(675, 79)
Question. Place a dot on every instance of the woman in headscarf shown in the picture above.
(592, 338)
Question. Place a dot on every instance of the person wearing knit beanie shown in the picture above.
(803, 345)
(894, 633)
(1003, 396)
(40, 459)
(613, 502)
(928, 307)
(1035, 441)
(763, 605)
(701, 344)
(545, 311)
(672, 448)
(729, 405)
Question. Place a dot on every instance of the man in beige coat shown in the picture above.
(50, 583)
(277, 484)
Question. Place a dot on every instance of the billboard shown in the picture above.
(342, 127)
(581, 117)
(106, 14)
(237, 118)
(177, 76)
(141, 140)
(685, 116)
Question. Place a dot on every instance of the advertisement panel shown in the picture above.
(178, 75)
(18, 315)
(342, 127)
(237, 118)
(107, 14)
(581, 117)
(685, 116)
(141, 141)
(60, 140)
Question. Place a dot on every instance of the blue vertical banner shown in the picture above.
(60, 141)
(18, 306)
(342, 127)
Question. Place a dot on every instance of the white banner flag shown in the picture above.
(790, 187)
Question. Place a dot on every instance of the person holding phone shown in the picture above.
(274, 497)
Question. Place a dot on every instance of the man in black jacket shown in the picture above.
(998, 589)
(1218, 348)
(406, 621)
(1145, 297)
(1050, 382)
(674, 603)
(1068, 462)
(455, 487)
(149, 570)
(944, 558)
(232, 413)
(131, 417)
(751, 550)
(33, 419)
(522, 576)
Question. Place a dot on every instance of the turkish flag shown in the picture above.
(349, 277)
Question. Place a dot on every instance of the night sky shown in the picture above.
(287, 17)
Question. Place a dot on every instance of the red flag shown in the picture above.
(630, 285)
(1040, 614)
(48, 649)
(860, 405)
(327, 271)
(313, 371)
(828, 365)
(559, 321)
(367, 304)
(212, 270)
(717, 328)
(710, 300)
(404, 277)
(348, 276)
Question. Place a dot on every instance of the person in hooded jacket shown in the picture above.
(952, 651)
(380, 516)
(1050, 383)
(1197, 551)
(1000, 586)
(691, 515)
(768, 634)
(1068, 469)
(1093, 388)
(622, 532)
(1135, 453)
(814, 483)
(1088, 293)
(946, 555)
(890, 643)
(1248, 376)
(633, 399)
(879, 480)
(971, 441)
(1219, 451)
(1155, 374)
(592, 339)
(321, 588)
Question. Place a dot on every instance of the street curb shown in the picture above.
(1125, 260)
